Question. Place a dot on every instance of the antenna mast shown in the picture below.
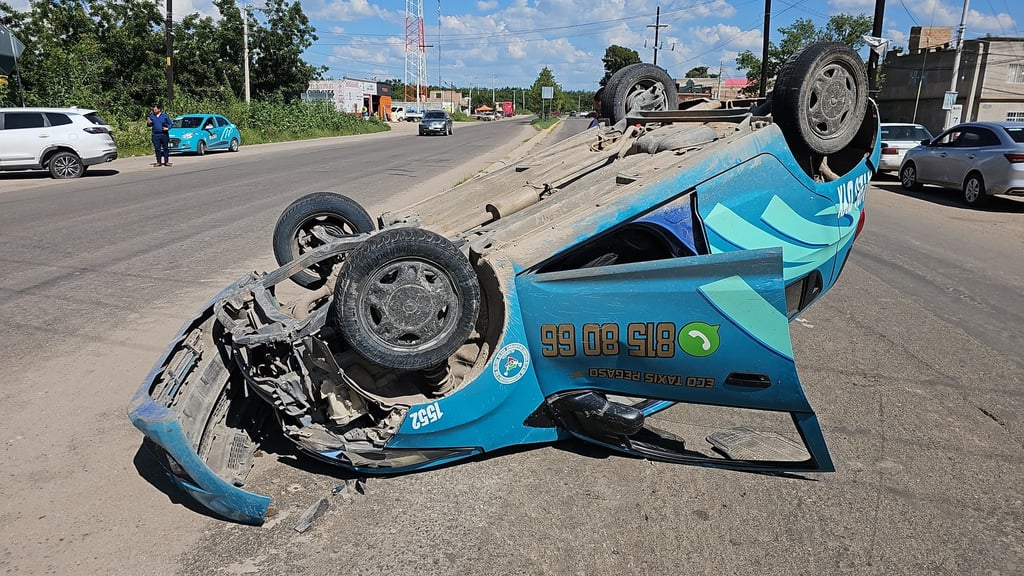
(415, 49)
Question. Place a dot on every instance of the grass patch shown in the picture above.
(259, 122)
(544, 124)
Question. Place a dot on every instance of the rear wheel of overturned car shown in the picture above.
(974, 190)
(908, 177)
(407, 299)
(641, 87)
(312, 221)
(64, 165)
(820, 97)
(201, 148)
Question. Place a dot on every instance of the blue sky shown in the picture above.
(507, 42)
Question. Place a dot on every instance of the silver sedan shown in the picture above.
(981, 159)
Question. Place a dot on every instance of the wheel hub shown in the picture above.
(407, 304)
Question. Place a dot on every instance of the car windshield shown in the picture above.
(912, 133)
(434, 116)
(1017, 134)
(188, 122)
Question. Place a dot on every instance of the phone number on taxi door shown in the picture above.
(643, 340)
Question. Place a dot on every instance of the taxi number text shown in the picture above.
(642, 339)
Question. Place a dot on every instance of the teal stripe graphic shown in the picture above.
(735, 299)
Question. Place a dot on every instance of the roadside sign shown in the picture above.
(10, 49)
(949, 100)
(547, 92)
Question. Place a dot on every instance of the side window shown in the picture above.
(950, 138)
(21, 120)
(987, 138)
(221, 121)
(968, 139)
(57, 119)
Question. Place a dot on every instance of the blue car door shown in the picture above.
(707, 330)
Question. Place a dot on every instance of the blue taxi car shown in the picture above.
(200, 133)
(631, 286)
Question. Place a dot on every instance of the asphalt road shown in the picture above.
(913, 363)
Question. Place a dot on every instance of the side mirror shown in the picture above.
(926, 142)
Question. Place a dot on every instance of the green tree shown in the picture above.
(534, 102)
(845, 28)
(698, 72)
(616, 57)
(277, 70)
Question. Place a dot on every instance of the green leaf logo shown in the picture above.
(699, 339)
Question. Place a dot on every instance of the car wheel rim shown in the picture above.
(972, 190)
(408, 304)
(908, 177)
(646, 97)
(832, 99)
(66, 166)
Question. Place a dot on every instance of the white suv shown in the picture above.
(64, 141)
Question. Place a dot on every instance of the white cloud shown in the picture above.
(485, 6)
(853, 6)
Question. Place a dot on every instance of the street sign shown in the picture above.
(949, 100)
(10, 49)
(547, 92)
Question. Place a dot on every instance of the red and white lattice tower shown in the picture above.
(415, 49)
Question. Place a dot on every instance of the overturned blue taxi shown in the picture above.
(644, 268)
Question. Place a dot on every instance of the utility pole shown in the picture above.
(876, 31)
(763, 88)
(169, 49)
(439, 85)
(657, 26)
(493, 99)
(956, 63)
(245, 49)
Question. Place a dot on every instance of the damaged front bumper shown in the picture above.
(178, 433)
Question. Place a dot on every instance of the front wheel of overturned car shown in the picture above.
(312, 221)
(407, 299)
(641, 87)
(820, 97)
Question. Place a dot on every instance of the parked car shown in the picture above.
(413, 115)
(436, 122)
(65, 141)
(981, 159)
(896, 140)
(397, 113)
(579, 293)
(486, 115)
(200, 133)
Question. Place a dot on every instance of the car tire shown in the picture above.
(201, 148)
(407, 298)
(233, 147)
(974, 190)
(66, 165)
(644, 87)
(821, 96)
(908, 177)
(295, 231)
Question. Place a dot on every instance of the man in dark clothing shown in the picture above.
(160, 122)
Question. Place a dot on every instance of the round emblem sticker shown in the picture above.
(511, 363)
